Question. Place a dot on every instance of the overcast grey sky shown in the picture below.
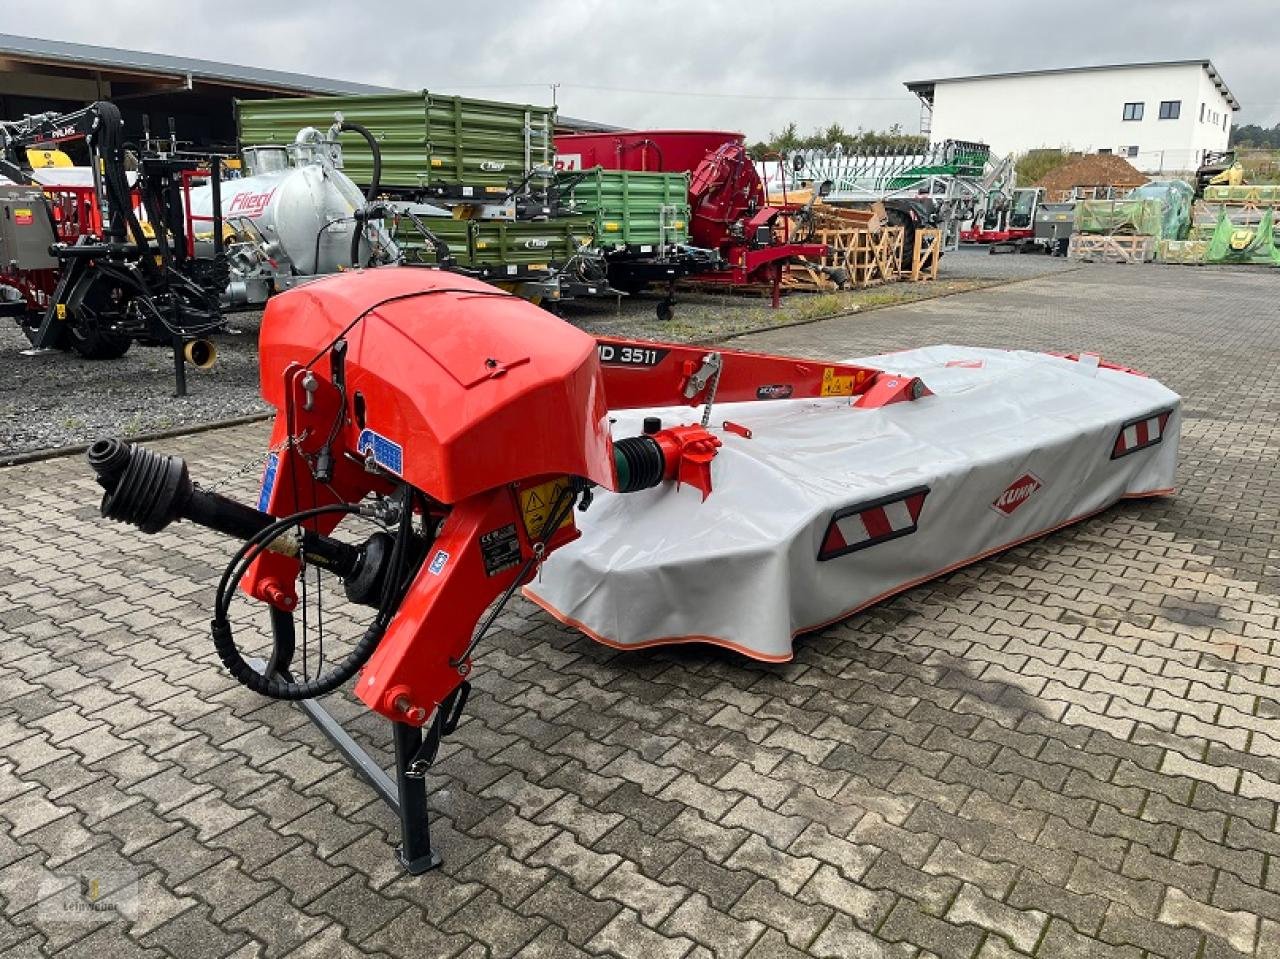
(717, 63)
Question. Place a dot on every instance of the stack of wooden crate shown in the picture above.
(862, 250)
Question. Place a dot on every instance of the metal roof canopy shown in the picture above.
(58, 53)
(924, 88)
(138, 65)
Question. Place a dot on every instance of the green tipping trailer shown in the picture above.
(445, 147)
(497, 249)
(627, 211)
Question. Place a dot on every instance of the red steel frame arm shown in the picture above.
(639, 374)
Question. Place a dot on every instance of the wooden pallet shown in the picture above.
(876, 258)
(1108, 248)
(1183, 251)
(927, 254)
(864, 257)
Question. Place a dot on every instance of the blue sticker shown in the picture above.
(268, 481)
(438, 562)
(386, 453)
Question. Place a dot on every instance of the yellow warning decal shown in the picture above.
(62, 311)
(536, 504)
(833, 385)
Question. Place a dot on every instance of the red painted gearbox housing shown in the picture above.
(491, 408)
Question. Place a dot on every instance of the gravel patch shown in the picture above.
(61, 399)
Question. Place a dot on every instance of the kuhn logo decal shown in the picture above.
(535, 244)
(1017, 493)
(493, 166)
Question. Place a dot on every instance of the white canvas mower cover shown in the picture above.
(826, 509)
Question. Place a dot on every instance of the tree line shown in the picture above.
(1252, 135)
(789, 139)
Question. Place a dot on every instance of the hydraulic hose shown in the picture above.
(150, 490)
(375, 182)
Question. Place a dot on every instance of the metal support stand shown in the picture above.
(415, 852)
(179, 368)
(406, 795)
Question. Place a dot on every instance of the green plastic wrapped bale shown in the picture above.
(1136, 217)
(1266, 194)
(1182, 251)
(628, 210)
(1235, 244)
(1175, 198)
(450, 146)
(496, 248)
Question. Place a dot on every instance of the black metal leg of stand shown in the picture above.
(179, 369)
(47, 335)
(415, 850)
(407, 795)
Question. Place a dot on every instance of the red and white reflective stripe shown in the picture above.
(1141, 433)
(856, 527)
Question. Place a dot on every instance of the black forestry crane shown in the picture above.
(120, 276)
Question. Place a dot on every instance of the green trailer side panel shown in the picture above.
(499, 246)
(628, 208)
(397, 121)
(426, 139)
(526, 243)
(483, 143)
(416, 248)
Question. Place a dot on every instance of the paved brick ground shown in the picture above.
(1071, 750)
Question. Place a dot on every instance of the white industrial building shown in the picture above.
(1163, 117)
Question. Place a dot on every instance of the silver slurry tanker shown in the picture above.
(294, 215)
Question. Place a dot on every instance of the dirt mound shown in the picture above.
(1091, 170)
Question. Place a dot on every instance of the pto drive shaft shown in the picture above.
(151, 490)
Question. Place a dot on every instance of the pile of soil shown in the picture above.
(1090, 170)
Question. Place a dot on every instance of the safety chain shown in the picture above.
(252, 464)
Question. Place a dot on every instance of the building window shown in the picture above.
(1131, 151)
(1105, 151)
(1170, 109)
(1224, 121)
(1202, 113)
(1133, 111)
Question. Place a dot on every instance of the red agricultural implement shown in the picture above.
(471, 426)
(730, 210)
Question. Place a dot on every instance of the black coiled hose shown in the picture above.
(276, 687)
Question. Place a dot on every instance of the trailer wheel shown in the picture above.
(666, 311)
(93, 343)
